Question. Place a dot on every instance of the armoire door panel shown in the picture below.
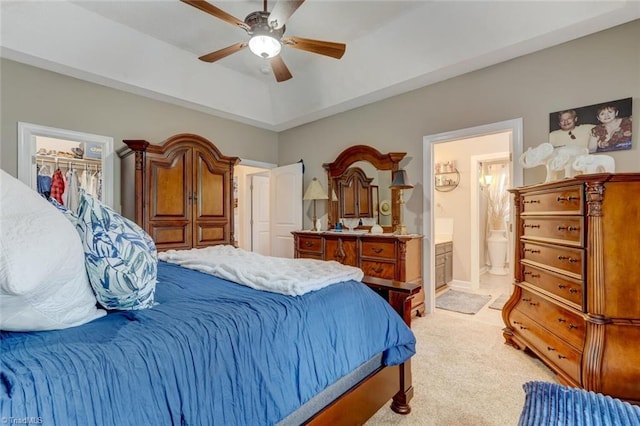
(210, 193)
(174, 235)
(209, 234)
(173, 175)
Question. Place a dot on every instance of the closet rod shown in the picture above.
(66, 161)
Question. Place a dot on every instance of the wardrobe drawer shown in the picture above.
(378, 269)
(558, 201)
(565, 230)
(559, 321)
(567, 289)
(379, 249)
(310, 244)
(563, 259)
(547, 345)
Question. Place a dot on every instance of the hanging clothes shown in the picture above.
(43, 180)
(57, 186)
(71, 195)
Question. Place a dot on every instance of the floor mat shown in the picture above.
(460, 301)
(499, 302)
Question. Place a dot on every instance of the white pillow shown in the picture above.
(43, 280)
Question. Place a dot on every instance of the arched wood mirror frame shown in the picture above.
(354, 154)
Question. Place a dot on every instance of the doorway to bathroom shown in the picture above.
(460, 204)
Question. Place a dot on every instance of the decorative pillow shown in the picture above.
(121, 258)
(43, 281)
(65, 211)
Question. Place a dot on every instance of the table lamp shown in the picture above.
(400, 183)
(315, 192)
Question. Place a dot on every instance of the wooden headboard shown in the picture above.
(180, 191)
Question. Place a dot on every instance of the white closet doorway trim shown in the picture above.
(27, 134)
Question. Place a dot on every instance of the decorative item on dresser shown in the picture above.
(181, 191)
(576, 302)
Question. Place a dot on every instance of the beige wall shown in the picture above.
(597, 68)
(41, 97)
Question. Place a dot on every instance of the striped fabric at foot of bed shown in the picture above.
(558, 405)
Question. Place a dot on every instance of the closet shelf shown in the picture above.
(51, 159)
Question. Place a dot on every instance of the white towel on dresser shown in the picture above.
(291, 277)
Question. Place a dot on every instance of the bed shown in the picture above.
(211, 352)
(197, 349)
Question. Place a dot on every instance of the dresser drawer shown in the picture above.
(378, 269)
(379, 249)
(562, 355)
(565, 230)
(559, 321)
(563, 259)
(558, 201)
(310, 244)
(567, 289)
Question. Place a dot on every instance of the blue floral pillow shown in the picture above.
(65, 211)
(121, 258)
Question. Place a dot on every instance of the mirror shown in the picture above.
(358, 182)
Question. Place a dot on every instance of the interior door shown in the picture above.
(286, 207)
(260, 215)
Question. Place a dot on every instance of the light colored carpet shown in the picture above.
(464, 375)
(460, 301)
(499, 302)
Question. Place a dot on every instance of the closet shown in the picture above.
(60, 163)
(179, 191)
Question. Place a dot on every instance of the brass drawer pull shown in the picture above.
(573, 290)
(533, 303)
(549, 348)
(532, 274)
(562, 320)
(572, 326)
(569, 198)
(532, 250)
(377, 270)
(308, 244)
(570, 259)
(561, 356)
(526, 300)
(376, 250)
(568, 228)
(532, 226)
(531, 202)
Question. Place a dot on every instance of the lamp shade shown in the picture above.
(264, 45)
(400, 180)
(314, 191)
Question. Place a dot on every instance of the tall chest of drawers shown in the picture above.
(576, 300)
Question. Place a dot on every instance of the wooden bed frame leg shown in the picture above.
(401, 400)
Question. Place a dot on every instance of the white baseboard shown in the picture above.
(459, 284)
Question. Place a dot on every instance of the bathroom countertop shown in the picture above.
(440, 239)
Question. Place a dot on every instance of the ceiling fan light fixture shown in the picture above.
(264, 45)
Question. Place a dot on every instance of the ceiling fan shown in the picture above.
(267, 35)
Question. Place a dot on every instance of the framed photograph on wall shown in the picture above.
(600, 127)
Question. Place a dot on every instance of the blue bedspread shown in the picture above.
(211, 352)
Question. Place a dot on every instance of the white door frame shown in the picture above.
(428, 142)
(476, 161)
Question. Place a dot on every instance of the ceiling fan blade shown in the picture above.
(218, 13)
(282, 11)
(279, 68)
(222, 53)
(327, 48)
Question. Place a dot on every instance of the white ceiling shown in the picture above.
(151, 47)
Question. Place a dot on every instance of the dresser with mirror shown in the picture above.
(358, 187)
